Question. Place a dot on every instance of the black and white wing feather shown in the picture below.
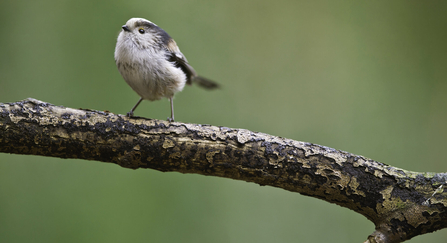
(179, 60)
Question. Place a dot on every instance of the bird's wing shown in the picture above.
(179, 60)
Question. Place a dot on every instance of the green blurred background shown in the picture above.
(368, 77)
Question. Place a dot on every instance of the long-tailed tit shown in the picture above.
(151, 63)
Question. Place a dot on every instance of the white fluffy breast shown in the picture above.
(146, 70)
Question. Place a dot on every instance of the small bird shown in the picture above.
(151, 63)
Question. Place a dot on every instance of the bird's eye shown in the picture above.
(141, 30)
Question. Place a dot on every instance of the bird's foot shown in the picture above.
(170, 119)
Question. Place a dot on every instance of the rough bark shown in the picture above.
(402, 204)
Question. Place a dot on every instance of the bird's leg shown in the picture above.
(130, 113)
(171, 119)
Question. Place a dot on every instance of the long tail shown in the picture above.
(205, 83)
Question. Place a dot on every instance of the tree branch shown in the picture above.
(402, 204)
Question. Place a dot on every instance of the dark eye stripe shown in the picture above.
(144, 24)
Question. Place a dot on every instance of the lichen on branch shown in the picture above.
(402, 204)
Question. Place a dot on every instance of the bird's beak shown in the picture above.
(125, 28)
